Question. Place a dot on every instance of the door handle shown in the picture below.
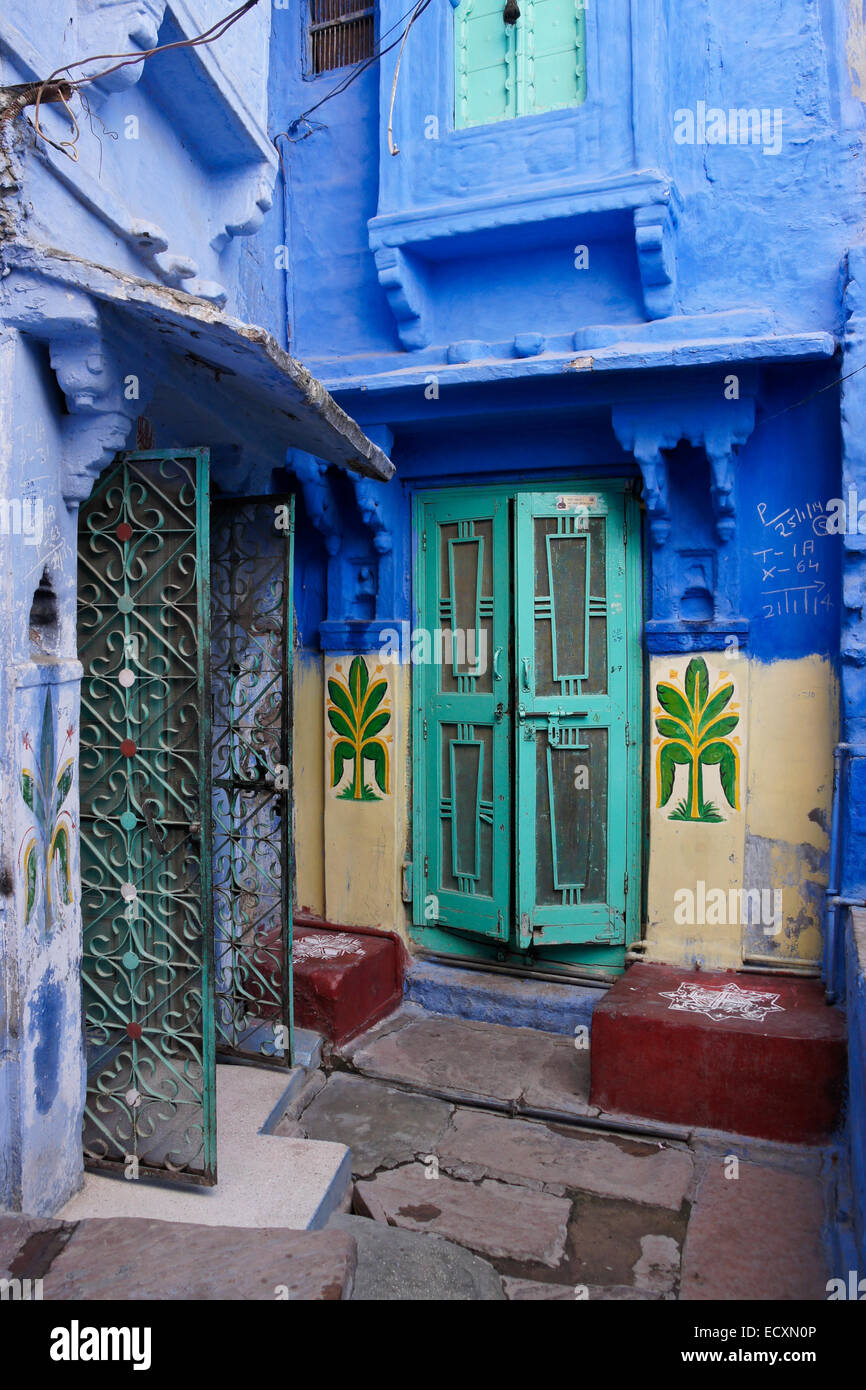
(156, 833)
(523, 713)
(526, 673)
(497, 657)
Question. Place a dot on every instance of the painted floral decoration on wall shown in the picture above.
(46, 849)
(358, 712)
(696, 723)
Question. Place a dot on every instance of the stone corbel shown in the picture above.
(655, 242)
(404, 293)
(722, 491)
(647, 445)
(319, 499)
(368, 494)
(93, 375)
(130, 26)
(254, 204)
(720, 438)
(100, 416)
(719, 427)
(654, 471)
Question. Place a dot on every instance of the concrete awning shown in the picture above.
(254, 374)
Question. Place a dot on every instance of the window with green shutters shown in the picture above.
(517, 58)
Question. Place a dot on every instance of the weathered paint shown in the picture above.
(136, 299)
(363, 840)
(308, 757)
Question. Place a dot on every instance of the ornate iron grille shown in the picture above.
(342, 32)
(143, 622)
(251, 593)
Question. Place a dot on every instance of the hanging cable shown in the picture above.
(68, 147)
(291, 133)
(419, 9)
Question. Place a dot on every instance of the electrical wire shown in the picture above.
(291, 131)
(392, 148)
(68, 147)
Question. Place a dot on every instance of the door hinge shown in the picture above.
(425, 728)
(426, 865)
(423, 540)
(628, 735)
(625, 884)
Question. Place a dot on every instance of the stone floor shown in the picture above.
(480, 1138)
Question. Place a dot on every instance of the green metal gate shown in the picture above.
(185, 757)
(143, 626)
(251, 652)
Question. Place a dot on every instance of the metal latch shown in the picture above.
(157, 835)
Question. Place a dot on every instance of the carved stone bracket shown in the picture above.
(102, 400)
(319, 499)
(405, 294)
(368, 494)
(399, 240)
(695, 593)
(655, 242)
(100, 417)
(717, 426)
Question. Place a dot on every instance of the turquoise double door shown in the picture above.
(527, 699)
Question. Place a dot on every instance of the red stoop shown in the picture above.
(753, 1054)
(344, 979)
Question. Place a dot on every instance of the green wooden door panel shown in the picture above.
(527, 799)
(505, 70)
(461, 698)
(571, 742)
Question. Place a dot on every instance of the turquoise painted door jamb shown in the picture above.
(535, 63)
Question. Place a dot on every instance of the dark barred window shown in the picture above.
(342, 32)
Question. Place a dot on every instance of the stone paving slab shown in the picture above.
(479, 1059)
(23, 1239)
(534, 1291)
(561, 1082)
(488, 1217)
(263, 1179)
(757, 1236)
(382, 1127)
(397, 1265)
(478, 1144)
(147, 1260)
(613, 1242)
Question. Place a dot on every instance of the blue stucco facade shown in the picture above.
(133, 313)
(661, 286)
(640, 287)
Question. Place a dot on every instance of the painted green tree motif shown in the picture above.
(355, 715)
(695, 733)
(47, 847)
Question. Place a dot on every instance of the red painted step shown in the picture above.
(762, 1055)
(345, 980)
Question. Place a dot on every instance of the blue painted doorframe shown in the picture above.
(533, 890)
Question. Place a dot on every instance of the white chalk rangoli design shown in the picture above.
(728, 1002)
(326, 946)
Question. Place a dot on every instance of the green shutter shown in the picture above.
(503, 70)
